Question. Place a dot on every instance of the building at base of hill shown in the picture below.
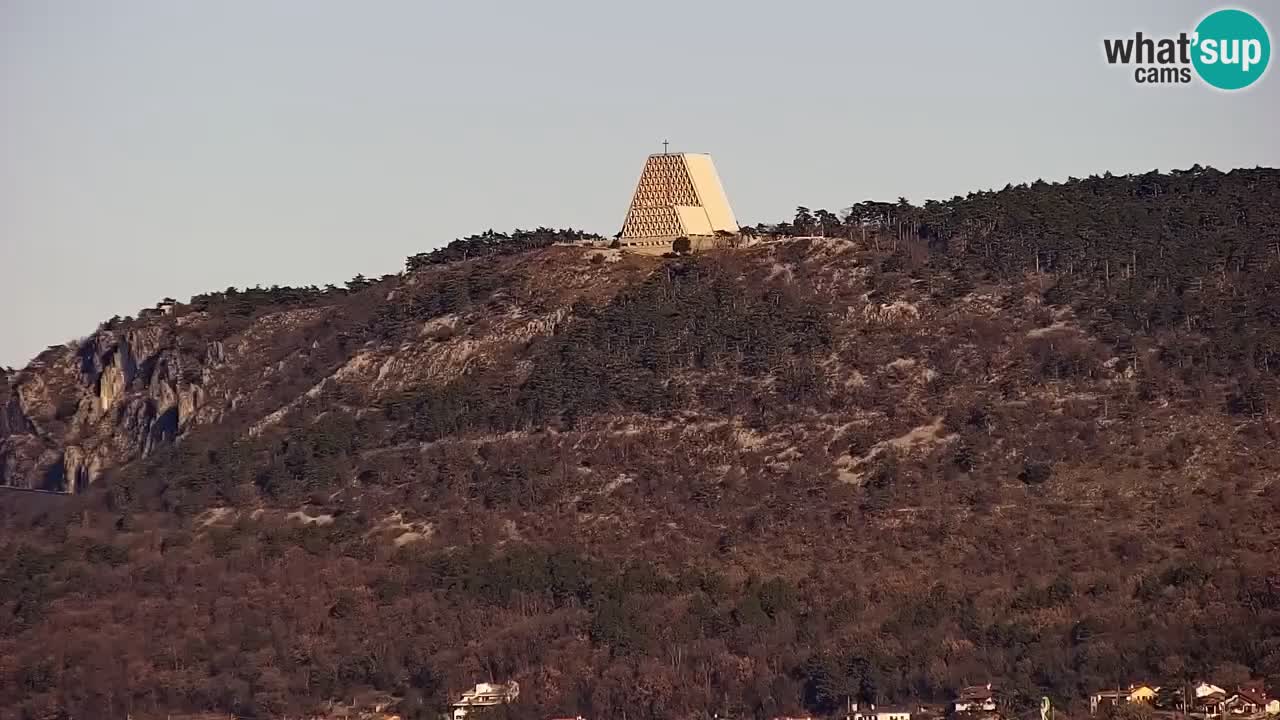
(484, 695)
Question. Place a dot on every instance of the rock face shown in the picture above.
(116, 396)
(137, 386)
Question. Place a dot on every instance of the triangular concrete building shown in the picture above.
(678, 195)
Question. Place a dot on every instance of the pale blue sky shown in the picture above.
(166, 147)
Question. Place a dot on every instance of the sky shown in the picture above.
(153, 148)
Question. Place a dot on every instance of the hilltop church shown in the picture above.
(678, 195)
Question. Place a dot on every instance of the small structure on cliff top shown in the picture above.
(678, 196)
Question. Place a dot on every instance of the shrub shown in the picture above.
(1035, 473)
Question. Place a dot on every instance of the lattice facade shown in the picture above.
(677, 195)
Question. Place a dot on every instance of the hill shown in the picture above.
(1025, 435)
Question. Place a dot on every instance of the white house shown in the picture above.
(975, 698)
(1203, 689)
(485, 695)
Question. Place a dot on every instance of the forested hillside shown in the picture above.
(1027, 436)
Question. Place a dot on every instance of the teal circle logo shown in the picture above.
(1232, 49)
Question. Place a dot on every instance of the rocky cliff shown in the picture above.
(139, 384)
(108, 400)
